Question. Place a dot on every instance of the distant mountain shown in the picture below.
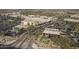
(39, 10)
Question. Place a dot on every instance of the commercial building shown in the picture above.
(75, 16)
(35, 19)
(52, 32)
(71, 20)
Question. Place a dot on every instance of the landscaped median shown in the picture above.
(7, 40)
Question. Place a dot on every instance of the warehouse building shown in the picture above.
(71, 20)
(48, 32)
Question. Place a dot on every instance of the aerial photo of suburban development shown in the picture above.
(39, 28)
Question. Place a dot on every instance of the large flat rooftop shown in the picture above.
(52, 31)
(71, 20)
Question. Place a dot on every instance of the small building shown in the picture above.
(51, 32)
